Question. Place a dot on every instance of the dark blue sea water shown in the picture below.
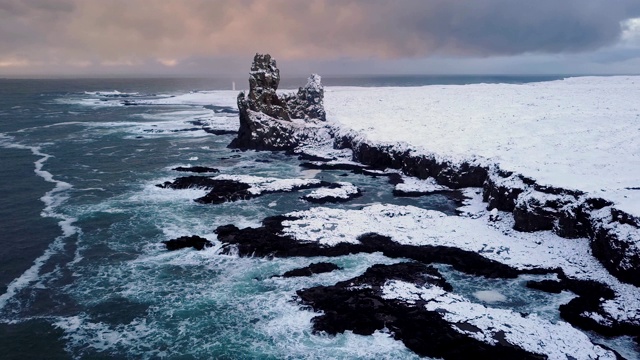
(83, 273)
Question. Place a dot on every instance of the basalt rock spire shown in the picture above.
(269, 121)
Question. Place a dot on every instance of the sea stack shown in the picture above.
(269, 121)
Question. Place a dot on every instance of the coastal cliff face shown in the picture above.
(614, 234)
(269, 121)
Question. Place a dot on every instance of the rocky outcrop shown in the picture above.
(308, 102)
(585, 310)
(226, 188)
(269, 241)
(425, 322)
(315, 268)
(337, 192)
(196, 242)
(614, 234)
(269, 121)
(196, 169)
(453, 175)
(263, 82)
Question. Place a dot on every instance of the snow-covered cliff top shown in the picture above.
(579, 133)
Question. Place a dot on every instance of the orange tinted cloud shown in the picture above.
(171, 32)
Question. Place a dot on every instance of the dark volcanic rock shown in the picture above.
(590, 295)
(219, 132)
(357, 305)
(189, 182)
(315, 268)
(334, 199)
(550, 286)
(308, 102)
(536, 211)
(454, 176)
(309, 157)
(568, 213)
(268, 241)
(466, 261)
(222, 190)
(221, 109)
(333, 166)
(229, 191)
(502, 191)
(265, 117)
(197, 169)
(226, 191)
(261, 99)
(617, 250)
(264, 79)
(194, 241)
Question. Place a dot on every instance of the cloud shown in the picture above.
(174, 32)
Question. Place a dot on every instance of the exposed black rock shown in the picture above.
(182, 242)
(402, 193)
(550, 286)
(617, 250)
(197, 169)
(394, 178)
(590, 295)
(465, 261)
(190, 182)
(534, 212)
(309, 157)
(219, 132)
(307, 103)
(221, 109)
(226, 191)
(452, 175)
(333, 166)
(265, 117)
(566, 212)
(268, 241)
(315, 268)
(502, 191)
(357, 305)
(332, 199)
(184, 130)
(221, 191)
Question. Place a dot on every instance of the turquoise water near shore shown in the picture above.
(83, 273)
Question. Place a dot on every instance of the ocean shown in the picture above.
(83, 272)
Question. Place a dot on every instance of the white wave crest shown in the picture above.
(52, 199)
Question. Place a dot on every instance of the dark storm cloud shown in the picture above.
(96, 33)
(499, 27)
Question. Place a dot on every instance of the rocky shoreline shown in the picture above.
(614, 234)
(413, 301)
(268, 122)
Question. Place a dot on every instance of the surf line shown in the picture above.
(51, 200)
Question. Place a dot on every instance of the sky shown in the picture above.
(330, 37)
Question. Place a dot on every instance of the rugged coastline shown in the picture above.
(293, 122)
(614, 234)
